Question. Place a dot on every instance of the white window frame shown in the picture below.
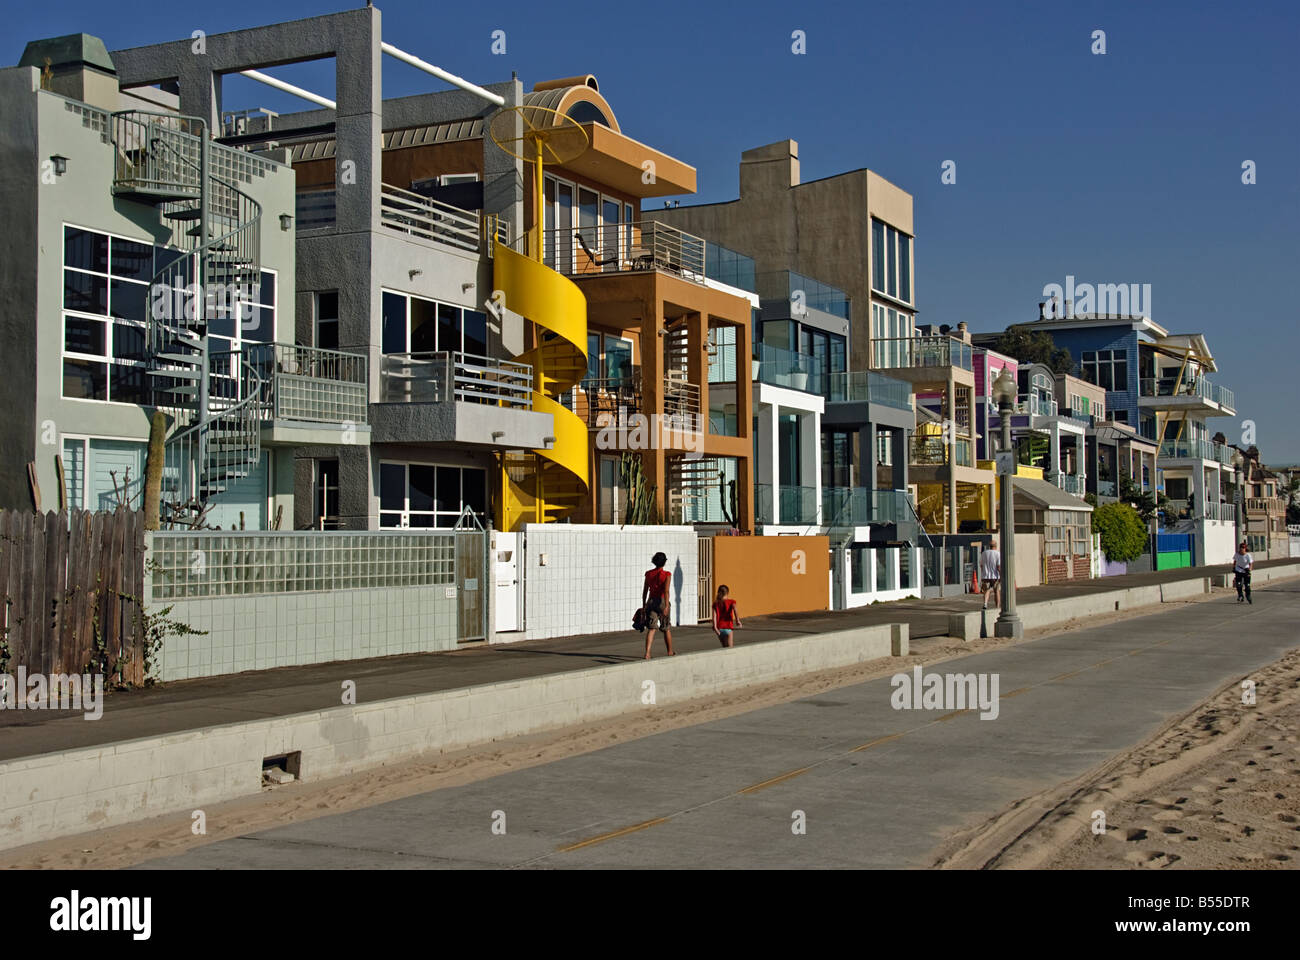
(106, 318)
(404, 515)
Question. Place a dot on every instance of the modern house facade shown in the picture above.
(145, 253)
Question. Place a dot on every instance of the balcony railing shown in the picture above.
(857, 506)
(1194, 449)
(643, 245)
(1193, 387)
(936, 351)
(610, 402)
(1186, 509)
(856, 386)
(785, 368)
(933, 451)
(465, 377)
(792, 505)
(431, 219)
(1266, 504)
(308, 383)
(1038, 406)
(1070, 483)
(804, 290)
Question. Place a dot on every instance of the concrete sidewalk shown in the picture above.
(196, 704)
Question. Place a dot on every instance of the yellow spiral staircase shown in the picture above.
(547, 484)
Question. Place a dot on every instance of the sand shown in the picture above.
(1217, 788)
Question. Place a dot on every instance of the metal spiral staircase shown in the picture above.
(544, 485)
(214, 398)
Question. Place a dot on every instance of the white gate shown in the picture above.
(505, 571)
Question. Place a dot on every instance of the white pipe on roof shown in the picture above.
(441, 74)
(289, 88)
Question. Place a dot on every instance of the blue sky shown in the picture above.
(1122, 168)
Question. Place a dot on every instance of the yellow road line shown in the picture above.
(611, 835)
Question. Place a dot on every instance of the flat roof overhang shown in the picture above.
(619, 161)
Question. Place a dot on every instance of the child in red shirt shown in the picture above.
(725, 618)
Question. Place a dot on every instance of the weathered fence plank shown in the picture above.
(66, 578)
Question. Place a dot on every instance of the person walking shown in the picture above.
(654, 600)
(725, 618)
(1242, 563)
(991, 573)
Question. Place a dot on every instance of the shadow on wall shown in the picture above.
(678, 577)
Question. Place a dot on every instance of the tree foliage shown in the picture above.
(1034, 346)
(1123, 534)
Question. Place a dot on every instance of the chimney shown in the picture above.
(77, 66)
(768, 170)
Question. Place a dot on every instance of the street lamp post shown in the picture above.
(1009, 623)
(1237, 503)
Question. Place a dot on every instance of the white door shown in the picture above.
(505, 563)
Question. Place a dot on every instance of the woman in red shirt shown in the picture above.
(725, 618)
(654, 600)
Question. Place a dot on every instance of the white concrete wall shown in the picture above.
(591, 582)
(295, 629)
(1218, 538)
(75, 791)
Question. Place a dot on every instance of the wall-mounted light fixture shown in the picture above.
(548, 441)
(60, 164)
(286, 222)
(498, 434)
(412, 274)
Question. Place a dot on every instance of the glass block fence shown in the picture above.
(213, 563)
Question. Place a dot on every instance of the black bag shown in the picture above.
(638, 620)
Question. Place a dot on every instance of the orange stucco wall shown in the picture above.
(761, 573)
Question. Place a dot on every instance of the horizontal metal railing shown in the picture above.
(310, 383)
(930, 351)
(616, 248)
(431, 219)
(1193, 387)
(610, 402)
(445, 375)
(856, 386)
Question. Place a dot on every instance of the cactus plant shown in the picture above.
(641, 505)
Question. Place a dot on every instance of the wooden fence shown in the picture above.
(70, 584)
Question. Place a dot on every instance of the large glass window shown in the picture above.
(107, 302)
(891, 261)
(1108, 369)
(422, 495)
(415, 325)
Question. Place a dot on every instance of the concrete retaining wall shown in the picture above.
(966, 626)
(80, 790)
(1258, 576)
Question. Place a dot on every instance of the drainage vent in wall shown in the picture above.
(1116, 604)
(282, 769)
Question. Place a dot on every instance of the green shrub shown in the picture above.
(1123, 534)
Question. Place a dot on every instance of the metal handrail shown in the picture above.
(623, 247)
(926, 351)
(431, 219)
(452, 374)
